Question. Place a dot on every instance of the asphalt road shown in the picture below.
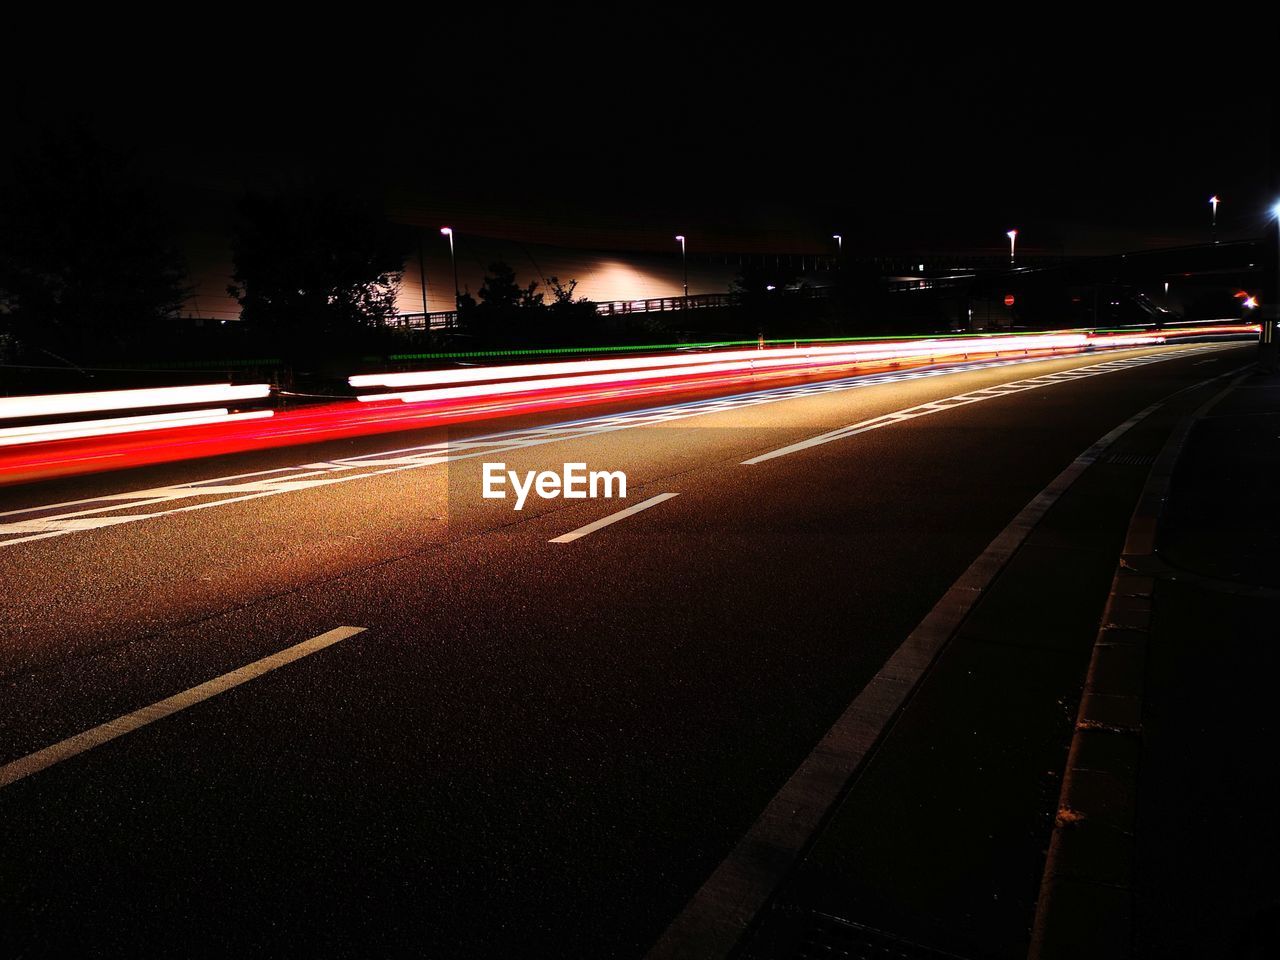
(533, 748)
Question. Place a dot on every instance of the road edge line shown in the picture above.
(714, 920)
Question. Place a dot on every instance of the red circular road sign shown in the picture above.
(1008, 299)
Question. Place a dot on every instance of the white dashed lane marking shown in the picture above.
(612, 518)
(960, 399)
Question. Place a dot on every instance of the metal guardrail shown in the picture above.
(436, 320)
(698, 301)
(448, 319)
(929, 283)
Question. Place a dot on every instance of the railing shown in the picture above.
(437, 320)
(698, 301)
(929, 283)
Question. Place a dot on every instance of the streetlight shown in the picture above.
(1213, 202)
(448, 232)
(839, 248)
(1270, 319)
(1275, 293)
(422, 274)
(1013, 238)
(684, 259)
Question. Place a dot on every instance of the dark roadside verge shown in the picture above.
(938, 847)
(1163, 845)
(1206, 834)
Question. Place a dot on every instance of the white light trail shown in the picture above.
(539, 376)
(10, 436)
(60, 404)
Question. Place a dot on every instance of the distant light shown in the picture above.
(770, 286)
(836, 236)
(1214, 201)
(922, 268)
(447, 231)
(1250, 302)
(1011, 234)
(680, 237)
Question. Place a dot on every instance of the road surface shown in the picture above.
(534, 743)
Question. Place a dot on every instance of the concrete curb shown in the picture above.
(1085, 907)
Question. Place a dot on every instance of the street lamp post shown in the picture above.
(1013, 239)
(839, 247)
(422, 273)
(1270, 319)
(684, 260)
(448, 232)
(1213, 203)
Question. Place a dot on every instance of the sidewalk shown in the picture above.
(938, 848)
(1207, 834)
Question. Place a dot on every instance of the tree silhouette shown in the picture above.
(87, 264)
(501, 293)
(573, 320)
(508, 314)
(313, 270)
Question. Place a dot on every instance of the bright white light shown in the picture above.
(58, 404)
(447, 231)
(1011, 234)
(13, 436)
(562, 373)
(1250, 302)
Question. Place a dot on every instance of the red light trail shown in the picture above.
(455, 396)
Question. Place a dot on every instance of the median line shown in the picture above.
(612, 518)
(106, 732)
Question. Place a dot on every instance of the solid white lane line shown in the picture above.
(612, 518)
(106, 732)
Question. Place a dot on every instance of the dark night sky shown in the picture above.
(764, 134)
